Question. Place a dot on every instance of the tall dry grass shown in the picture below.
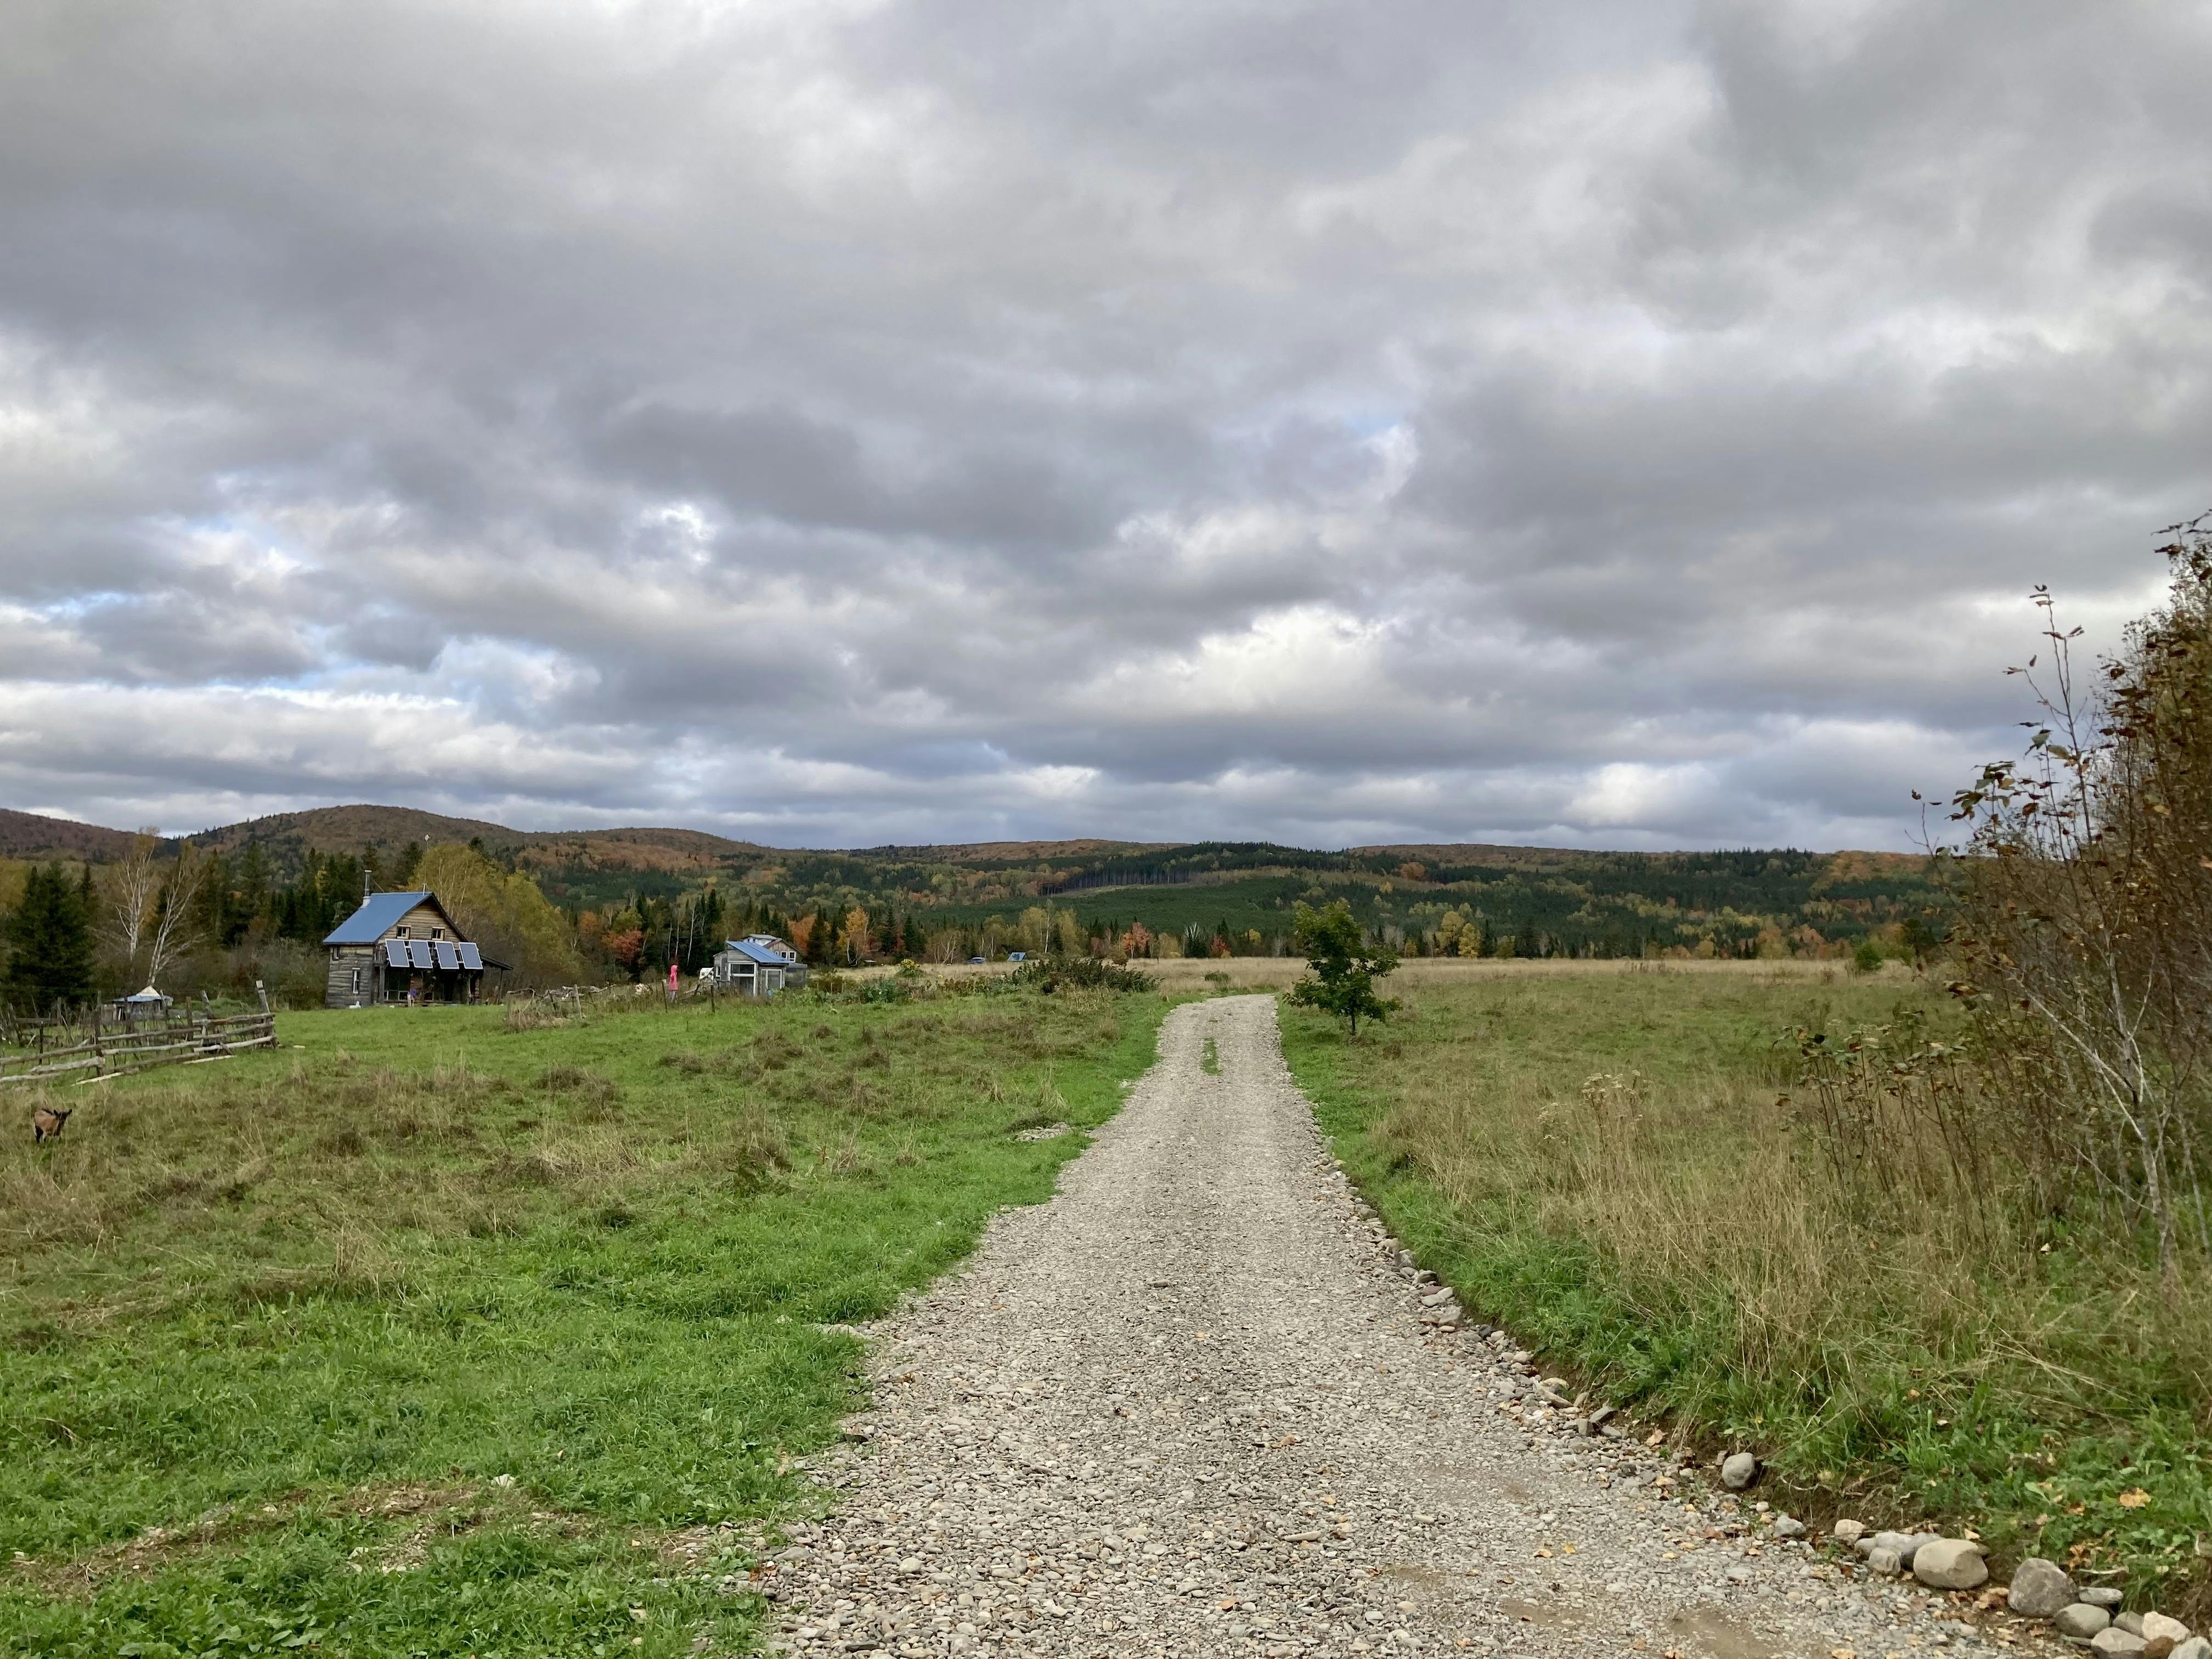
(1643, 1178)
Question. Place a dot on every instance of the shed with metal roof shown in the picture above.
(758, 965)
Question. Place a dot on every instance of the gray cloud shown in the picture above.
(944, 418)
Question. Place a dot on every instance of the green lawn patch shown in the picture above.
(426, 1336)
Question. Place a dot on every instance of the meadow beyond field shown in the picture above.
(1600, 1162)
(428, 1336)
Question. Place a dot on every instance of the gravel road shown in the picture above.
(1196, 1405)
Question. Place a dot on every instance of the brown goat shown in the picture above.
(47, 1121)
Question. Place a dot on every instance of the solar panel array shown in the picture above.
(443, 955)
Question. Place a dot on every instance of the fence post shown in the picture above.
(99, 1055)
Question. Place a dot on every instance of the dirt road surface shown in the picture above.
(1195, 1405)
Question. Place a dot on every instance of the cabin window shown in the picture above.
(400, 932)
(437, 932)
(356, 981)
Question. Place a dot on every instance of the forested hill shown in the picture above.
(1460, 898)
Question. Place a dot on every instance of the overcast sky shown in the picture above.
(840, 421)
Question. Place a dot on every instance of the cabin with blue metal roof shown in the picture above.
(402, 948)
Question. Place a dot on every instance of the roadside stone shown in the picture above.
(1848, 1532)
(2161, 1635)
(1904, 1544)
(2130, 1622)
(2040, 1588)
(2117, 1644)
(2101, 1596)
(1884, 1562)
(1955, 1563)
(2195, 1648)
(1739, 1471)
(1789, 1526)
(2081, 1621)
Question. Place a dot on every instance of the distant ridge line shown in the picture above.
(349, 827)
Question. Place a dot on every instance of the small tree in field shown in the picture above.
(1341, 970)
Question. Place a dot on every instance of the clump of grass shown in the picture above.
(1047, 1107)
(1209, 1058)
(754, 1152)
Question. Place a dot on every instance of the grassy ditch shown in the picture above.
(1601, 1164)
(435, 1337)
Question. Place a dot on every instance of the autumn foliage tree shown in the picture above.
(506, 913)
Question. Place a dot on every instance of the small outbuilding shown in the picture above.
(403, 948)
(758, 965)
(147, 1005)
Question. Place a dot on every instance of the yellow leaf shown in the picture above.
(2134, 1500)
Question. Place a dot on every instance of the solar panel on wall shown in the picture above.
(472, 958)
(395, 953)
(448, 958)
(418, 952)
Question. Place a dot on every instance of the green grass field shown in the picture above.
(428, 1336)
(1600, 1162)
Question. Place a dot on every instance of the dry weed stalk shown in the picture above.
(1900, 1120)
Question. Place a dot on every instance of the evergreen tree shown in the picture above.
(253, 885)
(214, 902)
(50, 944)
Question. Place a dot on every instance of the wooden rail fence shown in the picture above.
(115, 1048)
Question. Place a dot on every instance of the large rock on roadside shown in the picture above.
(2101, 1596)
(1848, 1532)
(2081, 1621)
(2161, 1635)
(2195, 1648)
(1900, 1544)
(2117, 1644)
(2040, 1588)
(1739, 1471)
(1954, 1563)
(1883, 1563)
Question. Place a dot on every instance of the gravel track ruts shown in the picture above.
(1190, 1406)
